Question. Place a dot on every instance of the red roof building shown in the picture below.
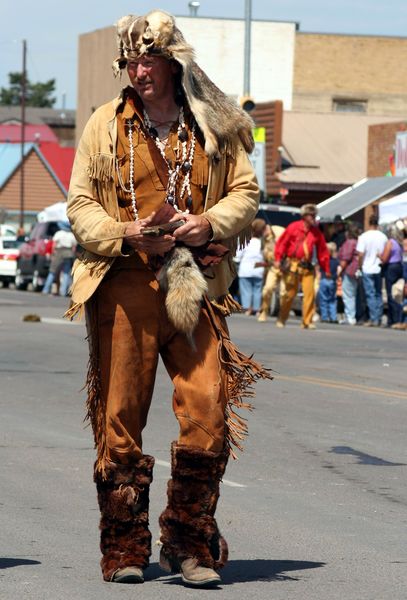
(60, 160)
(47, 169)
(33, 133)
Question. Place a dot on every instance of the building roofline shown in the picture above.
(28, 148)
(361, 35)
(296, 23)
(34, 148)
(200, 17)
(50, 170)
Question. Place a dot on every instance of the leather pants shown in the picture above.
(130, 331)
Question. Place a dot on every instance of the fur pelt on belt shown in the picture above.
(185, 287)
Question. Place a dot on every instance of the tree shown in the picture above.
(37, 94)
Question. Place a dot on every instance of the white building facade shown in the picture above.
(219, 45)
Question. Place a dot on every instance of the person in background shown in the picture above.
(327, 288)
(64, 244)
(293, 254)
(370, 246)
(273, 276)
(339, 235)
(21, 234)
(392, 259)
(251, 269)
(404, 245)
(348, 260)
(403, 324)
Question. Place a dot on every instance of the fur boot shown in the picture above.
(188, 525)
(123, 497)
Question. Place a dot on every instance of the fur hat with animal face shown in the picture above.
(218, 117)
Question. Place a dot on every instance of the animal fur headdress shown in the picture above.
(218, 117)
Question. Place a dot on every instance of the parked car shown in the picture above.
(278, 214)
(35, 256)
(9, 253)
(8, 230)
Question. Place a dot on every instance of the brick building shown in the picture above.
(350, 73)
(47, 169)
(381, 147)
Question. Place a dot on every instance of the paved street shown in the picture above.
(315, 508)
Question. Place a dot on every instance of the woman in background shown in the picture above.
(251, 269)
(348, 260)
(392, 259)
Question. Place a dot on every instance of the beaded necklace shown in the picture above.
(183, 164)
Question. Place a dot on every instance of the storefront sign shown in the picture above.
(401, 154)
(258, 156)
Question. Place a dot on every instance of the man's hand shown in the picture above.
(277, 264)
(196, 231)
(151, 245)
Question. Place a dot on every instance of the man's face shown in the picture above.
(310, 219)
(152, 77)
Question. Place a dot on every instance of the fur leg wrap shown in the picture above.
(188, 525)
(123, 497)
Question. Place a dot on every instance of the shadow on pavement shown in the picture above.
(7, 563)
(241, 571)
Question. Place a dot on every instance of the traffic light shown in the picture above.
(247, 103)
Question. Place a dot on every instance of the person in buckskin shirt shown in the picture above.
(172, 149)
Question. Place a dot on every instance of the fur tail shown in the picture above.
(185, 288)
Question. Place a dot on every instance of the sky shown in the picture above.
(52, 28)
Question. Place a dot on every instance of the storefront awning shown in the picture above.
(393, 209)
(352, 199)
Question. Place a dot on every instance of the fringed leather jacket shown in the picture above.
(230, 206)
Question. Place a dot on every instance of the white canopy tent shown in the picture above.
(393, 209)
(55, 212)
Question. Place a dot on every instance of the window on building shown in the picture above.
(349, 105)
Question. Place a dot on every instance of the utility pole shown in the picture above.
(247, 47)
(23, 95)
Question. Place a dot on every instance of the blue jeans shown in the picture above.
(327, 299)
(66, 278)
(48, 283)
(349, 291)
(392, 272)
(372, 284)
(250, 292)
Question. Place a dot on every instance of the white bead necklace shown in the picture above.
(130, 190)
(184, 166)
(131, 174)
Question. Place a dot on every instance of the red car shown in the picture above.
(35, 256)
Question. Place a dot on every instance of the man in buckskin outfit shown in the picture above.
(162, 193)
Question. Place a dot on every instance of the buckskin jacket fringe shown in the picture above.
(231, 204)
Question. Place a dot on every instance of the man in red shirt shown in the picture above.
(294, 251)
